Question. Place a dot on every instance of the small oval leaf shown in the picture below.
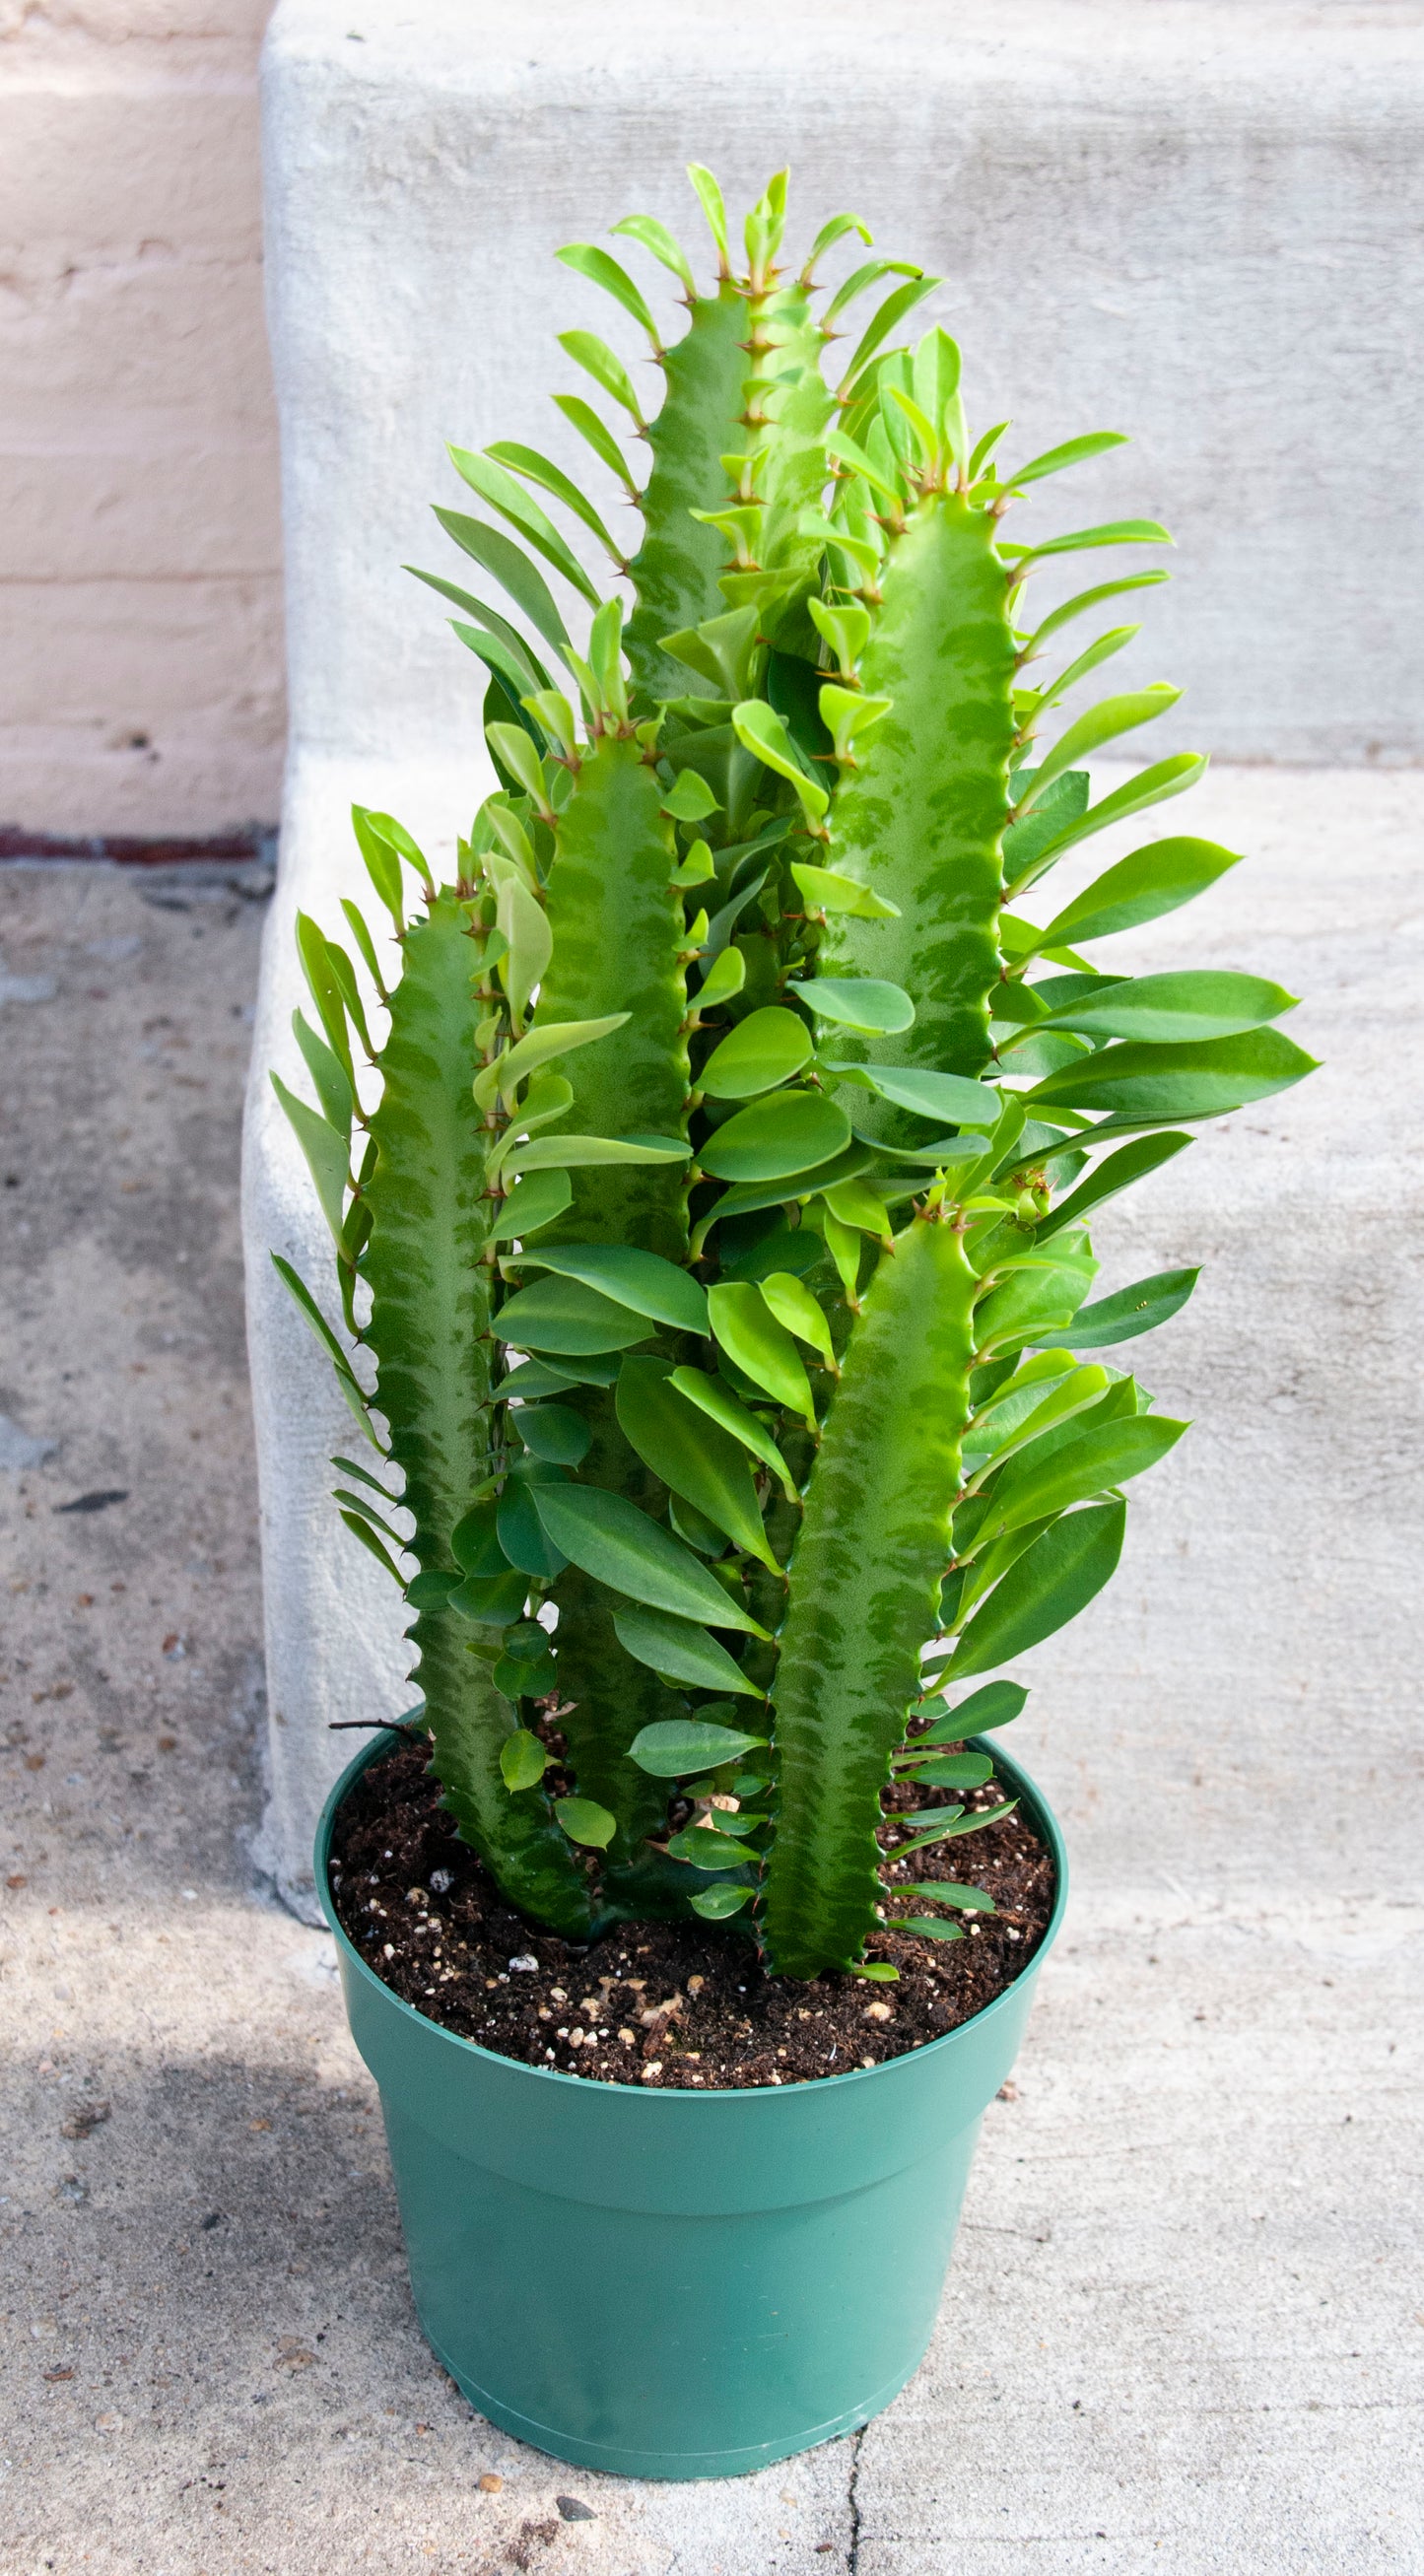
(683, 1652)
(792, 1131)
(763, 1050)
(554, 1431)
(584, 1821)
(523, 1760)
(677, 1748)
(559, 1314)
(857, 1002)
(758, 1345)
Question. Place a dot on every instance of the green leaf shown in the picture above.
(854, 1203)
(555, 1432)
(525, 661)
(887, 317)
(431, 1589)
(1186, 1007)
(690, 1453)
(1117, 1172)
(515, 1680)
(325, 1151)
(1130, 1311)
(680, 1747)
(558, 1314)
(736, 1827)
(758, 1345)
(944, 1770)
(493, 1601)
(1033, 1304)
(302, 1297)
(333, 1083)
(930, 1095)
(663, 245)
(591, 353)
(722, 1407)
(609, 1538)
(522, 1535)
(582, 417)
(525, 925)
(361, 1528)
(580, 1153)
(946, 1891)
(538, 469)
(585, 1822)
(381, 863)
(716, 1903)
(1153, 881)
(507, 667)
(857, 1003)
(535, 1378)
(1047, 1586)
(997, 1704)
(923, 1927)
(1074, 452)
(826, 890)
(360, 932)
(793, 1305)
(513, 750)
(602, 270)
(474, 1541)
(1102, 650)
(1114, 532)
(1150, 787)
(725, 976)
(695, 1527)
(762, 1051)
(682, 1652)
(529, 1643)
(1058, 618)
(1098, 1462)
(761, 731)
(1203, 1080)
(523, 1760)
(704, 1849)
(689, 798)
(512, 569)
(957, 1824)
(782, 1133)
(318, 965)
(363, 1476)
(531, 1203)
(642, 1281)
(1102, 723)
(503, 494)
(1010, 1426)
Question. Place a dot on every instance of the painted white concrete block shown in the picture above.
(1190, 224)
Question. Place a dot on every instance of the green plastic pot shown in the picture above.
(677, 2285)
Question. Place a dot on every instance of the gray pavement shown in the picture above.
(1185, 2326)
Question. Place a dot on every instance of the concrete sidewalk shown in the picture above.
(1185, 2326)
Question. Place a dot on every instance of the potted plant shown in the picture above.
(709, 1166)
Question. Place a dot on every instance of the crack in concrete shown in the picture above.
(853, 2501)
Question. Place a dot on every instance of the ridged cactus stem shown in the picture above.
(864, 1590)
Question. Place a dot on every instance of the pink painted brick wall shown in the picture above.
(140, 550)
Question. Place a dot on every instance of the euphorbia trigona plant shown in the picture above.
(732, 1084)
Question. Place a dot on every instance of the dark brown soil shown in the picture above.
(664, 2003)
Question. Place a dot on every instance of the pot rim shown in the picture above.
(388, 1737)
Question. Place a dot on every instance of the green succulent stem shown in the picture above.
(864, 1594)
(920, 819)
(430, 1330)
